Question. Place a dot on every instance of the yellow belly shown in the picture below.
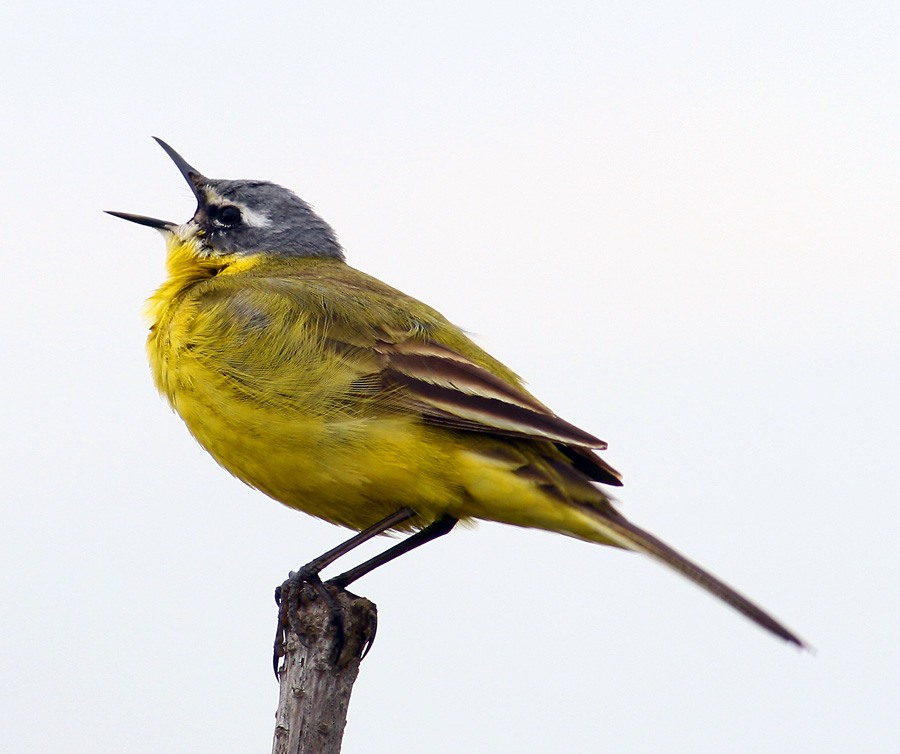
(252, 375)
(352, 472)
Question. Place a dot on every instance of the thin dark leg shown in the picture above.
(314, 566)
(309, 574)
(434, 530)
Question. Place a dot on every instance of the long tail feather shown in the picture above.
(624, 533)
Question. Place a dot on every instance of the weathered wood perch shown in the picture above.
(315, 682)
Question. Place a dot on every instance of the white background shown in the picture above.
(678, 221)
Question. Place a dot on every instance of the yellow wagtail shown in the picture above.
(338, 395)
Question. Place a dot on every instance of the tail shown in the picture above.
(622, 532)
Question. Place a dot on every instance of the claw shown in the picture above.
(288, 597)
(370, 638)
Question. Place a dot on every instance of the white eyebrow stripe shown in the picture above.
(253, 219)
(249, 217)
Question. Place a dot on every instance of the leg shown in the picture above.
(434, 530)
(312, 568)
(287, 594)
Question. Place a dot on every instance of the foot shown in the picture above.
(301, 588)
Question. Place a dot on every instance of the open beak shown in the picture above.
(194, 178)
(150, 222)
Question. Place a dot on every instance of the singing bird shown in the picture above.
(340, 396)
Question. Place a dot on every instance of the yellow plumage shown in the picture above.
(267, 361)
(342, 397)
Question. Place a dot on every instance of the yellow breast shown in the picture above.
(250, 377)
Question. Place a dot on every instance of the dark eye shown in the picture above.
(228, 215)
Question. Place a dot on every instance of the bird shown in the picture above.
(340, 396)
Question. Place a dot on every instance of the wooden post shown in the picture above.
(315, 682)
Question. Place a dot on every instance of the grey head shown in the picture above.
(247, 217)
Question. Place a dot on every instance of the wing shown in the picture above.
(390, 351)
(450, 390)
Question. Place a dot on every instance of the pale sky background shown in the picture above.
(678, 221)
